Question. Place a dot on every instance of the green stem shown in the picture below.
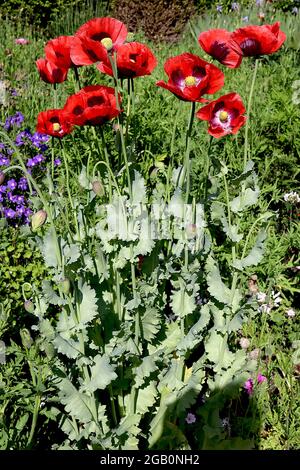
(207, 166)
(187, 151)
(123, 144)
(77, 77)
(249, 112)
(233, 250)
(37, 403)
(69, 191)
(107, 161)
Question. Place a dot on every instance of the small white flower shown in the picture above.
(292, 197)
(290, 313)
(265, 308)
(276, 298)
(261, 297)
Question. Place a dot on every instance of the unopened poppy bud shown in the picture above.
(223, 116)
(107, 43)
(154, 173)
(2, 177)
(65, 285)
(28, 305)
(130, 37)
(38, 219)
(26, 338)
(98, 188)
(190, 81)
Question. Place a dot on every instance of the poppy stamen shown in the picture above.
(107, 43)
(190, 81)
(56, 127)
(223, 116)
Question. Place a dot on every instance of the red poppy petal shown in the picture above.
(205, 112)
(100, 28)
(104, 68)
(216, 42)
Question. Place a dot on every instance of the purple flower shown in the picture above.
(14, 92)
(12, 184)
(21, 137)
(235, 6)
(259, 2)
(9, 213)
(245, 19)
(295, 11)
(190, 418)
(30, 162)
(38, 140)
(15, 120)
(23, 185)
(261, 379)
(248, 386)
(20, 210)
(219, 8)
(3, 188)
(57, 162)
(4, 161)
(39, 158)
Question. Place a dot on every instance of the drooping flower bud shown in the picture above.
(2, 177)
(38, 219)
(65, 285)
(28, 305)
(98, 188)
(191, 231)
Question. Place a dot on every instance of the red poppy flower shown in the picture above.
(58, 51)
(224, 115)
(95, 38)
(133, 60)
(93, 105)
(218, 44)
(259, 40)
(190, 77)
(53, 122)
(51, 73)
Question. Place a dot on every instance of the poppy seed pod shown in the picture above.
(38, 219)
(2, 177)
